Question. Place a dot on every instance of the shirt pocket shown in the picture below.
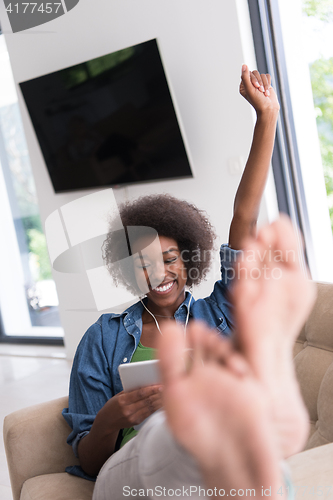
(222, 325)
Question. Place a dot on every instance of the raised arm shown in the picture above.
(257, 90)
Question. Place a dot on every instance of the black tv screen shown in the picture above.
(108, 121)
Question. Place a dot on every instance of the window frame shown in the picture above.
(270, 56)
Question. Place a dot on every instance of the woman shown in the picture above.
(98, 409)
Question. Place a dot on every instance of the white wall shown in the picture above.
(203, 45)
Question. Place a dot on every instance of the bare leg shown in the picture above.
(220, 415)
(273, 299)
(236, 412)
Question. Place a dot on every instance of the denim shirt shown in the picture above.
(113, 339)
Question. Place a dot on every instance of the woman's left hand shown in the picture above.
(257, 90)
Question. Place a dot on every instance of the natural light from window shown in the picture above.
(28, 298)
(307, 32)
(318, 49)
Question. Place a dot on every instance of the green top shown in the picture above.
(141, 353)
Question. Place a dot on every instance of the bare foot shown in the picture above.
(219, 411)
(272, 300)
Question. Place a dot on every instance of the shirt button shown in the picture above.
(124, 360)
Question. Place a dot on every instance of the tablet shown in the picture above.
(139, 374)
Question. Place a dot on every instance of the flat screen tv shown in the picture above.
(108, 121)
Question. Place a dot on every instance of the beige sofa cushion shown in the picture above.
(61, 486)
(35, 442)
(314, 367)
(324, 424)
(311, 473)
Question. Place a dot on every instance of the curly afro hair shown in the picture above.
(169, 217)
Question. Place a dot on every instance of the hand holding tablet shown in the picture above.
(139, 374)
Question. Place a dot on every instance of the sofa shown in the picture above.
(312, 469)
(37, 453)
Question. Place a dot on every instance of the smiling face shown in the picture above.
(159, 266)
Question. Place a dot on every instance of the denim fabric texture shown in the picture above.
(113, 339)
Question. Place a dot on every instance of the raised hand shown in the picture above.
(257, 90)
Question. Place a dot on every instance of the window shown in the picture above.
(317, 40)
(297, 164)
(28, 298)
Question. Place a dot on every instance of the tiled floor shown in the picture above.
(28, 375)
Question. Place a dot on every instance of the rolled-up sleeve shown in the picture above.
(90, 385)
(220, 296)
(228, 258)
